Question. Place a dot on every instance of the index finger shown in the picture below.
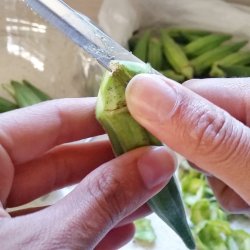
(29, 132)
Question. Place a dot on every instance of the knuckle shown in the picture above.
(108, 193)
(213, 132)
(210, 128)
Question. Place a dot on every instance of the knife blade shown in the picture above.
(82, 31)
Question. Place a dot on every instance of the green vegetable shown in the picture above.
(144, 232)
(6, 105)
(204, 44)
(141, 47)
(236, 71)
(133, 41)
(126, 134)
(204, 210)
(193, 189)
(155, 53)
(8, 88)
(213, 234)
(40, 94)
(176, 56)
(206, 60)
(24, 95)
(238, 59)
(173, 75)
(241, 239)
(210, 224)
(186, 35)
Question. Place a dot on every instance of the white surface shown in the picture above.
(166, 238)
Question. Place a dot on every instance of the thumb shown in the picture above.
(194, 127)
(109, 194)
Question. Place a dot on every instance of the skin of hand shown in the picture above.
(206, 121)
(37, 156)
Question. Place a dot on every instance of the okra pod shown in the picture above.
(216, 71)
(173, 75)
(204, 44)
(176, 56)
(203, 62)
(6, 105)
(132, 42)
(236, 71)
(24, 96)
(155, 53)
(40, 94)
(186, 35)
(237, 59)
(126, 134)
(141, 47)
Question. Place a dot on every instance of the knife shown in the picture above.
(82, 31)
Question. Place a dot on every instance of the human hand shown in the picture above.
(211, 132)
(37, 158)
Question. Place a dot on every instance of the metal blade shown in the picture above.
(82, 31)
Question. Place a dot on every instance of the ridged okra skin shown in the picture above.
(126, 134)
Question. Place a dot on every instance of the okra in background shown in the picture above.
(6, 105)
(176, 56)
(23, 93)
(186, 53)
(204, 44)
(235, 59)
(141, 47)
(155, 55)
(204, 62)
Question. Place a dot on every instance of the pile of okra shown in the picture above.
(183, 54)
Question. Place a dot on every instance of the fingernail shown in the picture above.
(157, 166)
(152, 97)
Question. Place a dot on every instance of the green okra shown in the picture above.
(133, 41)
(141, 47)
(40, 94)
(176, 56)
(203, 62)
(24, 96)
(235, 59)
(204, 44)
(182, 35)
(238, 58)
(155, 53)
(144, 232)
(216, 71)
(126, 134)
(6, 105)
(8, 88)
(173, 75)
(236, 71)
